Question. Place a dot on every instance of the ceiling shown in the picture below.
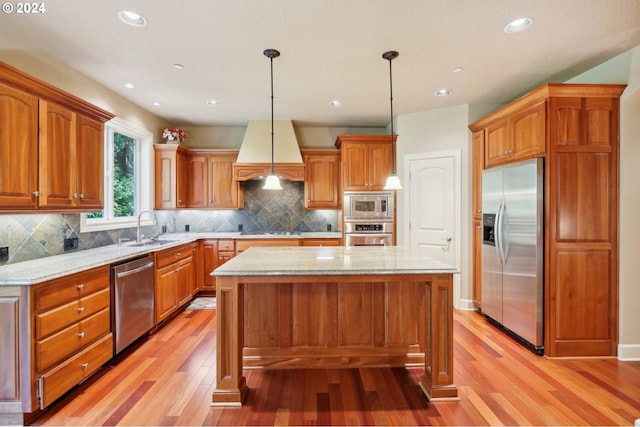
(330, 49)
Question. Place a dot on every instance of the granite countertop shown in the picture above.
(52, 267)
(331, 260)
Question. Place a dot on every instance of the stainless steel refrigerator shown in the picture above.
(512, 249)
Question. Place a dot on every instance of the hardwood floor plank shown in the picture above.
(168, 380)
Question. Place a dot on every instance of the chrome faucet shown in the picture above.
(139, 234)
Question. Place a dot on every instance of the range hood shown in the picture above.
(254, 158)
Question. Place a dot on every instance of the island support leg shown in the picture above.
(231, 385)
(437, 380)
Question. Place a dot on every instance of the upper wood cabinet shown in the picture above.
(366, 161)
(71, 159)
(516, 137)
(51, 146)
(211, 180)
(477, 167)
(18, 149)
(322, 179)
(576, 128)
(171, 175)
(196, 178)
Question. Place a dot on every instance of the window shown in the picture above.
(127, 179)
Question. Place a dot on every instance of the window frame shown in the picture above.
(143, 186)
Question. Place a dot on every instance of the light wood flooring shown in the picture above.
(169, 378)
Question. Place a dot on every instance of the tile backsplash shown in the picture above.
(33, 236)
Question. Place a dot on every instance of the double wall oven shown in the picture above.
(369, 218)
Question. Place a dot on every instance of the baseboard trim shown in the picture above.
(629, 352)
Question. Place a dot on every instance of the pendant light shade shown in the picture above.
(272, 182)
(393, 182)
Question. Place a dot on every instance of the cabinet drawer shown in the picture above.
(321, 242)
(169, 256)
(226, 245)
(63, 377)
(65, 315)
(66, 342)
(245, 244)
(66, 289)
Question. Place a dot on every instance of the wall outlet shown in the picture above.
(240, 227)
(70, 243)
(4, 253)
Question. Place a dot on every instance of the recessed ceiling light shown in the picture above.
(518, 25)
(213, 103)
(335, 103)
(157, 104)
(132, 18)
(443, 92)
(457, 70)
(129, 85)
(178, 66)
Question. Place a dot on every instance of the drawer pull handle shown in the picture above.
(178, 253)
(80, 309)
(80, 286)
(85, 365)
(81, 335)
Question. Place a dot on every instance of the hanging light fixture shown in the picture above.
(272, 182)
(393, 182)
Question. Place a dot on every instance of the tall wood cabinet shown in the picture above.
(51, 147)
(576, 128)
(366, 161)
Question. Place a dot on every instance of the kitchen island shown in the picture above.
(313, 307)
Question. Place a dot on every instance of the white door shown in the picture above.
(433, 193)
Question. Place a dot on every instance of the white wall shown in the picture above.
(441, 130)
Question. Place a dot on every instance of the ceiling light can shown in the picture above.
(518, 25)
(132, 18)
(443, 92)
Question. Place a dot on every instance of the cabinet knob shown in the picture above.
(80, 286)
(80, 309)
(36, 193)
(81, 195)
(81, 335)
(85, 365)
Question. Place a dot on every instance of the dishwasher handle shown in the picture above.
(135, 270)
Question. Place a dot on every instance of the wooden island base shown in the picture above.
(307, 321)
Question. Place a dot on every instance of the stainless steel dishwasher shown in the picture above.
(132, 313)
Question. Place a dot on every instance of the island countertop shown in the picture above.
(332, 260)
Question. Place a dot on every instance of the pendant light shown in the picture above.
(393, 182)
(272, 182)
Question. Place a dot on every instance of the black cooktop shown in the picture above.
(270, 233)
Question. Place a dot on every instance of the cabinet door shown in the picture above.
(223, 189)
(209, 263)
(496, 147)
(477, 167)
(182, 191)
(90, 163)
(355, 159)
(197, 181)
(165, 294)
(185, 280)
(18, 149)
(477, 264)
(528, 129)
(322, 181)
(57, 154)
(379, 165)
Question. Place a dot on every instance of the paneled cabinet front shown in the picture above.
(322, 179)
(214, 254)
(366, 161)
(51, 147)
(72, 332)
(174, 279)
(211, 183)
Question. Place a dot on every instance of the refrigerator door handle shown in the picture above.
(498, 231)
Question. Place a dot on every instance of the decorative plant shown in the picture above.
(177, 135)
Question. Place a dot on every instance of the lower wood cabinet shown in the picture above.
(214, 254)
(174, 279)
(72, 332)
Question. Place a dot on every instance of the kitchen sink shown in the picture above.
(155, 242)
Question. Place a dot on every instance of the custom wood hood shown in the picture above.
(254, 158)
